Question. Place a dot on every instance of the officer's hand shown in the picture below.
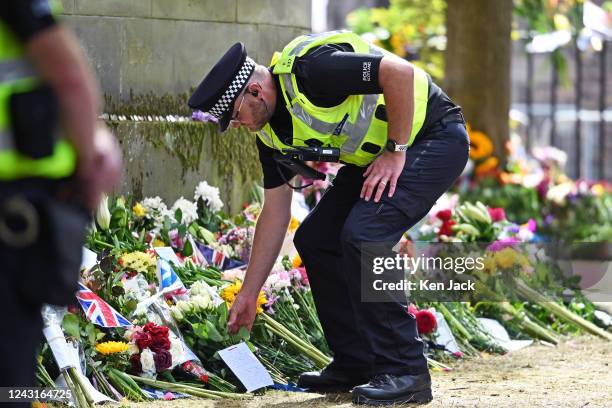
(242, 313)
(102, 172)
(383, 171)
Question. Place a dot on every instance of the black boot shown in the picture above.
(389, 389)
(332, 379)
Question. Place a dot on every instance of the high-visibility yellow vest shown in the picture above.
(18, 75)
(351, 125)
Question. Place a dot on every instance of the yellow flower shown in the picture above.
(485, 167)
(137, 261)
(507, 257)
(111, 347)
(158, 243)
(489, 263)
(297, 261)
(293, 225)
(139, 211)
(230, 292)
(480, 144)
(397, 45)
(598, 190)
(261, 300)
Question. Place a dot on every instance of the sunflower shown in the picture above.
(230, 292)
(480, 144)
(487, 166)
(111, 347)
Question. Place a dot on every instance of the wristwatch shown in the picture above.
(393, 146)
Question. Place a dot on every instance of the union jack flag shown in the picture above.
(98, 311)
(217, 258)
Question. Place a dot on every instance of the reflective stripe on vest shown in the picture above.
(13, 70)
(356, 131)
(6, 140)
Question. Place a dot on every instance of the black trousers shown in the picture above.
(21, 331)
(374, 338)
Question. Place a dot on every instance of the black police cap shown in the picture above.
(219, 90)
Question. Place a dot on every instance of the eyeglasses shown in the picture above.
(235, 119)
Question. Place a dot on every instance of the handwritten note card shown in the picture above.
(246, 366)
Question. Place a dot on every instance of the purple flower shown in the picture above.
(549, 219)
(503, 243)
(200, 116)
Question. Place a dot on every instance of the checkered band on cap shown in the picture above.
(223, 104)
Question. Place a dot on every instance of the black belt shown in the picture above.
(453, 115)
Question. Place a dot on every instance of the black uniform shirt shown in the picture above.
(25, 18)
(327, 75)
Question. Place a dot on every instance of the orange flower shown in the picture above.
(480, 144)
(487, 166)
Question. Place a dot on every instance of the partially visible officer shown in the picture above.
(55, 161)
(404, 143)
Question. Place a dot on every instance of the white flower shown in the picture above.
(103, 215)
(133, 349)
(148, 363)
(558, 193)
(184, 306)
(176, 313)
(188, 209)
(177, 351)
(210, 196)
(156, 210)
(202, 302)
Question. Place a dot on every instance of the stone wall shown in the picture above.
(166, 46)
(148, 55)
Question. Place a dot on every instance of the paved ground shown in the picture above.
(578, 373)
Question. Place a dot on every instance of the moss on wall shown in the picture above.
(149, 104)
(229, 160)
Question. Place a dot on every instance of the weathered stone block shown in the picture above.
(104, 56)
(67, 6)
(200, 10)
(277, 12)
(115, 8)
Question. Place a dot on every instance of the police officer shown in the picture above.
(51, 176)
(403, 143)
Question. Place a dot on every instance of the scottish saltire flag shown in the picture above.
(168, 279)
(216, 258)
(98, 311)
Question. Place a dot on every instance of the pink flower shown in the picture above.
(304, 275)
(168, 396)
(503, 243)
(497, 214)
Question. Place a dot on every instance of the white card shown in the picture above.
(168, 254)
(243, 363)
(89, 259)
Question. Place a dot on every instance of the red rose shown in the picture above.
(426, 321)
(135, 365)
(163, 360)
(142, 339)
(447, 228)
(497, 214)
(155, 330)
(444, 215)
(160, 343)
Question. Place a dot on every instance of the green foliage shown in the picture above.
(412, 29)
